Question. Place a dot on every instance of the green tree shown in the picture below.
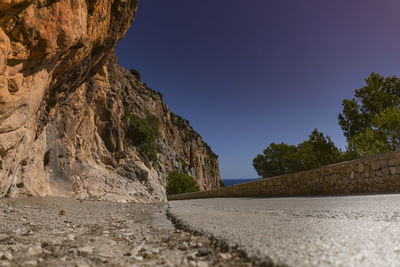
(349, 154)
(279, 159)
(383, 136)
(371, 120)
(376, 96)
(179, 183)
(387, 123)
(319, 150)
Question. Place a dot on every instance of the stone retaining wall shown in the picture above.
(376, 174)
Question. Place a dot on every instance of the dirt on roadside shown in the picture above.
(66, 232)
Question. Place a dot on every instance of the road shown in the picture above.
(302, 231)
(66, 232)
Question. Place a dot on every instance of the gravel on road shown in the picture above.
(66, 232)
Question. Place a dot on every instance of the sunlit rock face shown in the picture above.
(62, 103)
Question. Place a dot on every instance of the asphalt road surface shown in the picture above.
(302, 231)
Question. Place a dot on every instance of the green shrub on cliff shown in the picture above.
(143, 133)
(135, 73)
(179, 122)
(179, 182)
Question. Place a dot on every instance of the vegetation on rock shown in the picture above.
(143, 133)
(135, 73)
(178, 121)
(188, 134)
(179, 182)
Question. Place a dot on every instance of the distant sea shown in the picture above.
(229, 182)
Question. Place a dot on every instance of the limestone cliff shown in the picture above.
(66, 107)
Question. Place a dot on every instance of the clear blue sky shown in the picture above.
(246, 73)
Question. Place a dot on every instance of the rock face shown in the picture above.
(64, 106)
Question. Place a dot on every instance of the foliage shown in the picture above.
(178, 121)
(209, 150)
(179, 183)
(135, 73)
(349, 154)
(371, 120)
(279, 159)
(221, 184)
(358, 113)
(275, 160)
(320, 150)
(143, 133)
(383, 136)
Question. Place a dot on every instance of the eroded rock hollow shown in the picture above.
(66, 106)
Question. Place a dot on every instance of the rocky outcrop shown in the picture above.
(64, 106)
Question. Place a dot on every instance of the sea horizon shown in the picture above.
(230, 182)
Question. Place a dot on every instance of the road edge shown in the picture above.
(223, 244)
